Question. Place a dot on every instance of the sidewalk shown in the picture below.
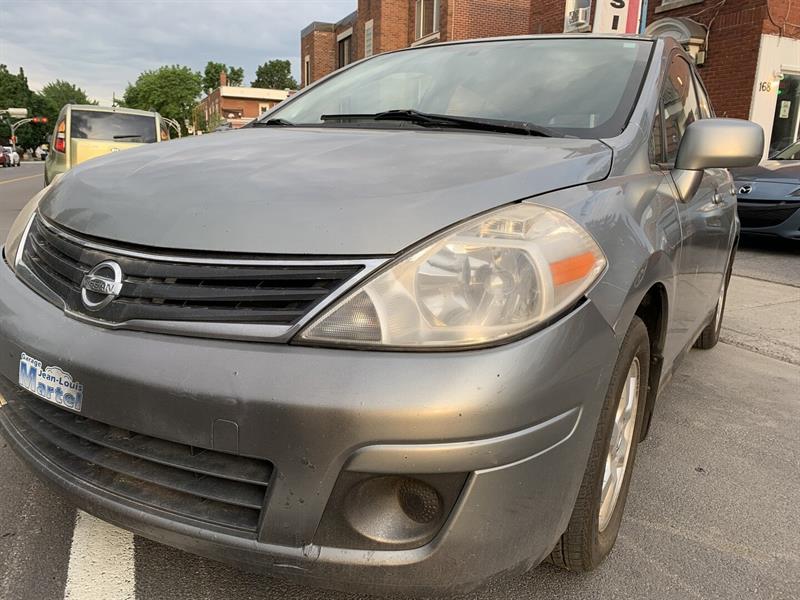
(763, 317)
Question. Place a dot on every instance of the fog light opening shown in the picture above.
(419, 501)
(381, 511)
(392, 509)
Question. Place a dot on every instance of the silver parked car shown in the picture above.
(769, 195)
(405, 335)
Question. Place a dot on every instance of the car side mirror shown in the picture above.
(715, 143)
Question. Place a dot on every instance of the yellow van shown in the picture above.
(86, 131)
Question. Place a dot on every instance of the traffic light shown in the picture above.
(39, 119)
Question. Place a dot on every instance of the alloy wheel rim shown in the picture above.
(619, 448)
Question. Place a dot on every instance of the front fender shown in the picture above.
(635, 221)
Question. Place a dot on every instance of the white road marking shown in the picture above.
(101, 563)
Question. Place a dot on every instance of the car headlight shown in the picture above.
(489, 279)
(15, 240)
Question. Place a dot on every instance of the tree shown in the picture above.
(14, 92)
(170, 90)
(212, 72)
(235, 76)
(211, 75)
(275, 74)
(63, 92)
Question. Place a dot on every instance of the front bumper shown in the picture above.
(518, 419)
(772, 218)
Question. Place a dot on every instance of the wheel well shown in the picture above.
(653, 311)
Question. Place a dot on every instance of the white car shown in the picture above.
(12, 159)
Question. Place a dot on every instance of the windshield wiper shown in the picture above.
(436, 120)
(127, 137)
(271, 123)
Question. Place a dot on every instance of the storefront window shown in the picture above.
(785, 121)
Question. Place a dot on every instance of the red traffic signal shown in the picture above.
(39, 119)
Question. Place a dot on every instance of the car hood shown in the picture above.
(777, 171)
(312, 191)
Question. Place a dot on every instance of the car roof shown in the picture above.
(542, 36)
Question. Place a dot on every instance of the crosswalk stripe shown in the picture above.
(101, 562)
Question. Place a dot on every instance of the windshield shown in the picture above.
(790, 153)
(119, 127)
(581, 87)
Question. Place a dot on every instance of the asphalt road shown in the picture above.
(712, 512)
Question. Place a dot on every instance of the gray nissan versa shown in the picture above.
(404, 336)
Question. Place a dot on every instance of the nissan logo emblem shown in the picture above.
(101, 285)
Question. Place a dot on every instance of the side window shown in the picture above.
(679, 105)
(657, 139)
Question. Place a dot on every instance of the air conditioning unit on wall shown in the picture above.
(578, 20)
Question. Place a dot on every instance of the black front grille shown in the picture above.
(182, 291)
(765, 215)
(202, 487)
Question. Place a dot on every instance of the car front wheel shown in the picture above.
(597, 514)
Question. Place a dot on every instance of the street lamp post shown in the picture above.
(20, 114)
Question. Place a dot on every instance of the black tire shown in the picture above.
(583, 546)
(709, 337)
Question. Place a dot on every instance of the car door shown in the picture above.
(705, 218)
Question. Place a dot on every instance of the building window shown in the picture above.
(427, 18)
(232, 113)
(368, 38)
(344, 49)
(307, 70)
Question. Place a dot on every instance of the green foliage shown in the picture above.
(211, 75)
(214, 120)
(170, 90)
(275, 74)
(200, 122)
(63, 92)
(235, 76)
(212, 72)
(14, 92)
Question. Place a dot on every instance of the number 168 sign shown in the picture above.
(617, 16)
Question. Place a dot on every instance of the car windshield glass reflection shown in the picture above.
(582, 87)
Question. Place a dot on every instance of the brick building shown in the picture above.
(748, 51)
(238, 105)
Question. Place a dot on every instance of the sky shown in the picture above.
(100, 46)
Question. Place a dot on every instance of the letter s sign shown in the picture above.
(617, 16)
